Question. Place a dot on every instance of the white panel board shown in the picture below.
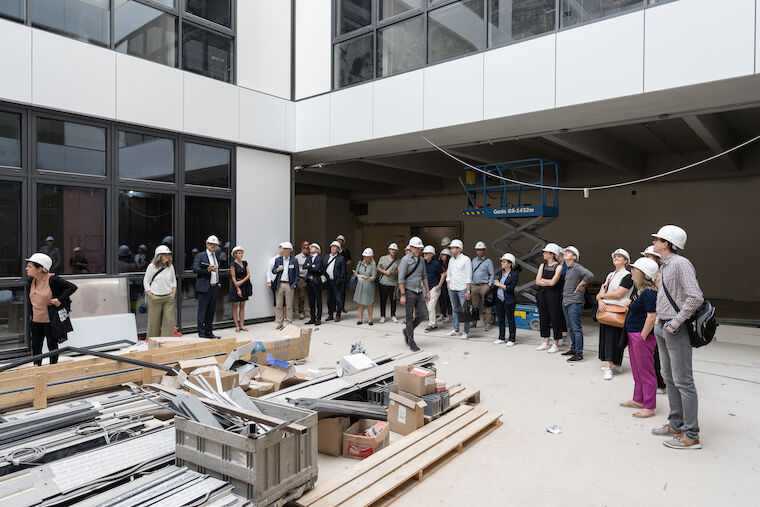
(72, 75)
(263, 211)
(211, 108)
(398, 104)
(148, 93)
(601, 60)
(313, 123)
(16, 64)
(454, 92)
(102, 329)
(313, 47)
(263, 46)
(263, 120)
(519, 78)
(757, 37)
(351, 114)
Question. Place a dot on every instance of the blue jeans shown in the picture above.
(457, 298)
(573, 313)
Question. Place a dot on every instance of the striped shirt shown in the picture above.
(677, 273)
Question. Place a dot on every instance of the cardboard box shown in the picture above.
(256, 388)
(357, 446)
(280, 377)
(414, 379)
(229, 379)
(330, 434)
(188, 365)
(287, 344)
(406, 412)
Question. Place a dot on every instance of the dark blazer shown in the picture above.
(62, 290)
(293, 272)
(313, 269)
(203, 281)
(339, 271)
(511, 283)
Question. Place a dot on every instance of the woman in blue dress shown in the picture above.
(240, 288)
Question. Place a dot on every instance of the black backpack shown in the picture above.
(702, 325)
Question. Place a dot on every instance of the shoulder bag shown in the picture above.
(702, 325)
(60, 321)
(613, 315)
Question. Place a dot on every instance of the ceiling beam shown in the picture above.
(380, 174)
(340, 182)
(714, 132)
(430, 163)
(602, 147)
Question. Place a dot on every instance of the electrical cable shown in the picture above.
(25, 455)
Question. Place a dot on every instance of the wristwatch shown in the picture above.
(403, 294)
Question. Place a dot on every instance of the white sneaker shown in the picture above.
(464, 336)
(510, 344)
(382, 320)
(498, 342)
(394, 320)
(607, 374)
(553, 349)
(454, 332)
(543, 346)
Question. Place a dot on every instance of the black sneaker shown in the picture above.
(575, 358)
(406, 336)
(413, 346)
(430, 328)
(568, 353)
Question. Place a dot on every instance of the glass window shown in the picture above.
(574, 12)
(10, 139)
(205, 216)
(352, 14)
(390, 8)
(456, 30)
(13, 9)
(70, 147)
(353, 60)
(145, 222)
(189, 302)
(206, 53)
(218, 11)
(10, 246)
(207, 165)
(88, 20)
(510, 20)
(146, 32)
(12, 321)
(145, 157)
(73, 217)
(401, 46)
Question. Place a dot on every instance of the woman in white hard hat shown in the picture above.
(387, 282)
(160, 283)
(549, 297)
(46, 291)
(364, 294)
(616, 290)
(444, 302)
(241, 288)
(506, 281)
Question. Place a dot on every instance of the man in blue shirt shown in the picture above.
(435, 281)
(482, 280)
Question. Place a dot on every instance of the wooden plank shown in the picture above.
(455, 390)
(40, 391)
(147, 373)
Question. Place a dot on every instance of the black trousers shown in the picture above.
(549, 302)
(206, 310)
(444, 302)
(314, 291)
(415, 301)
(335, 292)
(38, 332)
(506, 312)
(387, 291)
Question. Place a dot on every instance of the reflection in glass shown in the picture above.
(353, 61)
(456, 30)
(205, 216)
(352, 14)
(144, 220)
(142, 31)
(189, 302)
(218, 11)
(574, 12)
(10, 139)
(145, 157)
(401, 47)
(390, 8)
(87, 20)
(13, 9)
(206, 53)
(10, 242)
(70, 147)
(12, 320)
(510, 20)
(207, 165)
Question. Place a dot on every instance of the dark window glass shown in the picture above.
(574, 12)
(514, 20)
(456, 30)
(87, 20)
(142, 31)
(13, 9)
(137, 302)
(145, 222)
(352, 14)
(390, 8)
(10, 139)
(145, 157)
(206, 53)
(10, 246)
(353, 60)
(207, 165)
(73, 217)
(205, 216)
(70, 147)
(190, 302)
(12, 332)
(218, 11)
(401, 47)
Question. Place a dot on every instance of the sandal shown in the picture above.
(359, 323)
(631, 404)
(237, 329)
(643, 414)
(244, 329)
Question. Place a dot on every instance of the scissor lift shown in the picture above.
(522, 209)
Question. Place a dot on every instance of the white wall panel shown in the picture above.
(313, 47)
(313, 123)
(264, 120)
(16, 63)
(757, 37)
(263, 46)
(519, 78)
(695, 41)
(351, 114)
(398, 104)
(211, 108)
(148, 93)
(72, 75)
(454, 92)
(601, 60)
(290, 130)
(263, 217)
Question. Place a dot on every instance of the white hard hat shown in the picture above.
(212, 239)
(429, 249)
(315, 245)
(341, 236)
(650, 251)
(553, 248)
(416, 242)
(446, 241)
(456, 243)
(287, 244)
(622, 252)
(510, 258)
(41, 259)
(162, 249)
(237, 247)
(480, 245)
(407, 247)
(647, 266)
(446, 251)
(335, 243)
(672, 233)
(50, 238)
(368, 252)
(77, 248)
(393, 246)
(575, 251)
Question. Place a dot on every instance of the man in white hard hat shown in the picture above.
(459, 282)
(678, 280)
(285, 281)
(445, 242)
(207, 282)
(78, 262)
(54, 253)
(301, 294)
(482, 280)
(313, 267)
(414, 290)
(387, 281)
(576, 279)
(334, 279)
(435, 280)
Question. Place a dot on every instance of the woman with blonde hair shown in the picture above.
(241, 288)
(160, 283)
(364, 294)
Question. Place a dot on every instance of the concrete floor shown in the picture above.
(603, 455)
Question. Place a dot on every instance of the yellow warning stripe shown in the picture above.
(473, 212)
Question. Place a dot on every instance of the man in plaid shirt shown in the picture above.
(678, 275)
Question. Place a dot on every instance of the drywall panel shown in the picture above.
(519, 78)
(312, 123)
(454, 92)
(351, 114)
(16, 65)
(313, 42)
(398, 104)
(148, 93)
(264, 120)
(211, 108)
(601, 60)
(695, 41)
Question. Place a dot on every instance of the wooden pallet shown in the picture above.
(381, 478)
(458, 396)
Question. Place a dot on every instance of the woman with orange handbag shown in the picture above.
(612, 297)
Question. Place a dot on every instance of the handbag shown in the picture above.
(352, 283)
(468, 313)
(60, 320)
(614, 315)
(489, 300)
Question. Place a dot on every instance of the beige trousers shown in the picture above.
(284, 295)
(161, 315)
(301, 295)
(478, 293)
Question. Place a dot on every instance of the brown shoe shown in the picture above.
(665, 431)
(279, 326)
(337, 319)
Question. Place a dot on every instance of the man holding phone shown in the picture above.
(206, 267)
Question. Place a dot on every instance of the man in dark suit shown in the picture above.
(335, 280)
(313, 267)
(284, 284)
(206, 266)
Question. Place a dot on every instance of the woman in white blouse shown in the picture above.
(160, 285)
(616, 290)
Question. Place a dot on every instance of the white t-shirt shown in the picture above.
(459, 273)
